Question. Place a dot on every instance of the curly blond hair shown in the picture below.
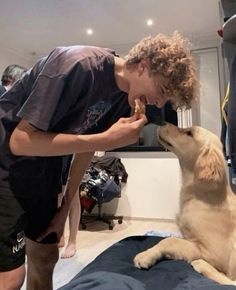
(169, 57)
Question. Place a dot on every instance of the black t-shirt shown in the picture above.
(73, 90)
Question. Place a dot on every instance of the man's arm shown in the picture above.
(78, 168)
(27, 140)
(79, 165)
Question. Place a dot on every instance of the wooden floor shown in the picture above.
(96, 238)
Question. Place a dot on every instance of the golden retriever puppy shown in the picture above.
(207, 215)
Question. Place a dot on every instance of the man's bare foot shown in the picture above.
(61, 243)
(69, 251)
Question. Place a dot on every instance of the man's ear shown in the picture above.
(210, 166)
(142, 66)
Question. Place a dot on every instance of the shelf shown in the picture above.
(229, 30)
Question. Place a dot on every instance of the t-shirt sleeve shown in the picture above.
(63, 88)
(40, 106)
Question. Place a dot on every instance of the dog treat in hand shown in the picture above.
(139, 107)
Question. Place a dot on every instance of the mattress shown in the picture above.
(114, 270)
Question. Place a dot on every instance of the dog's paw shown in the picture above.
(144, 260)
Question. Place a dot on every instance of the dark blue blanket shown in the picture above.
(114, 270)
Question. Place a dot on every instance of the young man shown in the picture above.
(71, 102)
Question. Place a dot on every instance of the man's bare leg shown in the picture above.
(74, 220)
(41, 259)
(12, 280)
(61, 243)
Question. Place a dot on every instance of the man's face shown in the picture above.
(150, 89)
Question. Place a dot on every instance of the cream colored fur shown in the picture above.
(207, 216)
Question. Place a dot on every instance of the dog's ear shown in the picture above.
(210, 166)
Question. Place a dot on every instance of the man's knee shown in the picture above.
(12, 280)
(43, 256)
(49, 259)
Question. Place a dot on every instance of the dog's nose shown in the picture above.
(163, 123)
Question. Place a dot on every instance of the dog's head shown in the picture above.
(197, 149)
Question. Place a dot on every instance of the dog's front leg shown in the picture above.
(210, 272)
(170, 248)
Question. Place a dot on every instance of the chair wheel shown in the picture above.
(110, 227)
(120, 221)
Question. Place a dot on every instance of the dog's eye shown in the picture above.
(189, 133)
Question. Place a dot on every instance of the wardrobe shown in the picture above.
(228, 136)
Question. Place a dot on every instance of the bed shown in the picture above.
(114, 270)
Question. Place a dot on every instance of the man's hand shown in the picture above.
(124, 132)
(57, 224)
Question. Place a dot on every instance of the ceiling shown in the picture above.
(34, 27)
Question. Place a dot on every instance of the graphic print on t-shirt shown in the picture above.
(95, 113)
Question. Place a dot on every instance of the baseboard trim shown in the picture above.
(149, 219)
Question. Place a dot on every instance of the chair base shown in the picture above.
(108, 219)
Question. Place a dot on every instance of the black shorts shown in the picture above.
(66, 163)
(27, 206)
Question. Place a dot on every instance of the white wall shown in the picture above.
(152, 190)
(8, 57)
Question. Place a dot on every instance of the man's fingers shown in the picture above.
(133, 118)
(128, 120)
(142, 119)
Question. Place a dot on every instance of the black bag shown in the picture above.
(100, 186)
(102, 181)
(112, 165)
